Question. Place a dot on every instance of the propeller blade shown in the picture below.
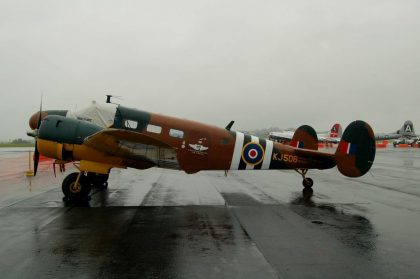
(36, 154)
(39, 115)
(36, 159)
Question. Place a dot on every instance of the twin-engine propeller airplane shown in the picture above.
(109, 136)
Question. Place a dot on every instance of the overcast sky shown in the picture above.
(260, 63)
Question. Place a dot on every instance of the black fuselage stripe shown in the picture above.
(263, 144)
(242, 164)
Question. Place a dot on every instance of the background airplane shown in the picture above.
(405, 134)
(333, 136)
(121, 137)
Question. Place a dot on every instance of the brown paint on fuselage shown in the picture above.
(202, 147)
(220, 143)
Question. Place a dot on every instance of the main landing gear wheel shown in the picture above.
(76, 191)
(98, 180)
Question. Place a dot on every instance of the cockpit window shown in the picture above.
(130, 124)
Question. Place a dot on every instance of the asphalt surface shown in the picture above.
(252, 224)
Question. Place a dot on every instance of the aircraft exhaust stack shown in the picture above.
(356, 151)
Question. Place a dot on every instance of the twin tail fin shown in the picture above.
(356, 151)
(305, 137)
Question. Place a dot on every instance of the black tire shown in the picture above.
(307, 182)
(79, 192)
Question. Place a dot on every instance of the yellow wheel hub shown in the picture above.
(75, 188)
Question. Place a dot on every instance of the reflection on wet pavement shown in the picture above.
(353, 230)
(166, 224)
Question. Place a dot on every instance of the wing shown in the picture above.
(383, 136)
(135, 148)
(329, 139)
(286, 135)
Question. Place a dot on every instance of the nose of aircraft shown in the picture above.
(33, 121)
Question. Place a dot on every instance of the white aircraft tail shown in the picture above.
(407, 129)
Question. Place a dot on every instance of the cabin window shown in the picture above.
(176, 133)
(154, 129)
(130, 124)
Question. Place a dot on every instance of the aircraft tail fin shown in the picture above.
(407, 129)
(356, 151)
(305, 137)
(336, 131)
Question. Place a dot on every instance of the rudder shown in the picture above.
(356, 151)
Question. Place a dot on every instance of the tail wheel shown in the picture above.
(308, 182)
(73, 190)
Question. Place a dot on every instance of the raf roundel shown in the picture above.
(253, 153)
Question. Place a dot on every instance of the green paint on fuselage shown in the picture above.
(123, 114)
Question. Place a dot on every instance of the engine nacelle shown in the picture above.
(61, 129)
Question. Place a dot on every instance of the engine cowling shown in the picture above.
(59, 135)
(61, 129)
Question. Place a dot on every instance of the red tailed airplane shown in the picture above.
(333, 136)
(113, 136)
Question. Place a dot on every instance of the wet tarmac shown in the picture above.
(257, 224)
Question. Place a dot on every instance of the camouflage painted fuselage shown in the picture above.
(138, 139)
(204, 147)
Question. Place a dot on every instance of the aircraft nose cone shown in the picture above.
(33, 121)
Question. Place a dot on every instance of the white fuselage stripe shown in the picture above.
(267, 155)
(256, 140)
(237, 151)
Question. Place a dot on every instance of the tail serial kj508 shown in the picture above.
(112, 136)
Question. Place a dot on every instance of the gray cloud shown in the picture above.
(271, 63)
